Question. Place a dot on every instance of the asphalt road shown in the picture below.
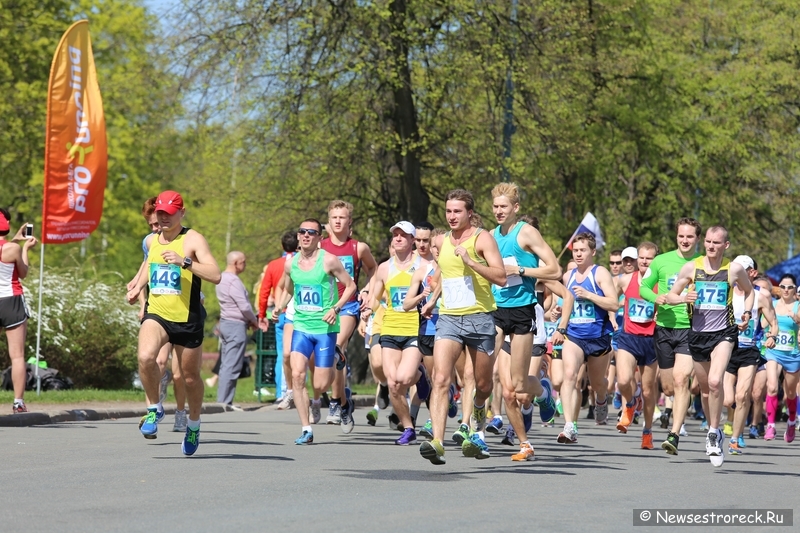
(249, 475)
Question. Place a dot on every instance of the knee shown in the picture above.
(441, 380)
(742, 399)
(648, 391)
(484, 386)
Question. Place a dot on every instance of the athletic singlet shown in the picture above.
(518, 290)
(551, 327)
(464, 291)
(540, 337)
(587, 321)
(174, 291)
(748, 336)
(348, 255)
(314, 295)
(9, 277)
(786, 336)
(427, 326)
(396, 321)
(638, 313)
(712, 311)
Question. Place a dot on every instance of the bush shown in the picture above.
(89, 332)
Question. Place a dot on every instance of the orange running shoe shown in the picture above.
(647, 441)
(525, 453)
(625, 421)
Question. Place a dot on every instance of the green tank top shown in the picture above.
(315, 294)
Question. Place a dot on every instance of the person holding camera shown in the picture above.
(13, 311)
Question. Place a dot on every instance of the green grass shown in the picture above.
(244, 394)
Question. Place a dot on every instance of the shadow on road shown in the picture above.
(231, 456)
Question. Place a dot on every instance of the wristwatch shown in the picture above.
(521, 271)
(187, 262)
(337, 309)
(563, 331)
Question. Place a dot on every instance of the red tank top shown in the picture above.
(9, 278)
(639, 314)
(348, 255)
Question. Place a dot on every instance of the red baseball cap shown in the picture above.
(3, 223)
(170, 202)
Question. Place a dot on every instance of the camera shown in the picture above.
(29, 230)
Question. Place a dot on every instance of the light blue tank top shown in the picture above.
(518, 290)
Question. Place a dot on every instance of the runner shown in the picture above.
(309, 278)
(672, 327)
(400, 329)
(588, 334)
(354, 255)
(13, 311)
(469, 262)
(714, 331)
(636, 347)
(759, 393)
(178, 259)
(746, 358)
(526, 257)
(785, 356)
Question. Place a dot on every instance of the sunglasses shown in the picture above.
(787, 287)
(309, 232)
(615, 262)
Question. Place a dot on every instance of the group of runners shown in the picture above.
(491, 317)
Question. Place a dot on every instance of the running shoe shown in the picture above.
(656, 413)
(478, 418)
(547, 407)
(341, 360)
(683, 432)
(527, 419)
(427, 430)
(475, 447)
(18, 408)
(334, 413)
(671, 444)
(664, 419)
(372, 417)
(713, 449)
(727, 429)
(287, 402)
(617, 400)
(770, 432)
(549, 424)
(625, 421)
(508, 440)
(191, 441)
(383, 396)
(704, 425)
(754, 432)
(149, 427)
(452, 404)
(590, 414)
(762, 430)
(495, 426)
(559, 407)
(409, 436)
(306, 438)
(180, 422)
(525, 453)
(433, 451)
(569, 435)
(647, 441)
(740, 441)
(316, 415)
(162, 386)
(423, 385)
(788, 436)
(348, 423)
(461, 434)
(601, 414)
(394, 421)
(635, 419)
(733, 447)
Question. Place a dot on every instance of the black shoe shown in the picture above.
(671, 444)
(590, 415)
(383, 396)
(664, 420)
(341, 360)
(394, 421)
(584, 397)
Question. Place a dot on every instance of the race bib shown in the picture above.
(640, 311)
(583, 312)
(347, 262)
(786, 341)
(308, 298)
(165, 279)
(512, 280)
(398, 294)
(746, 336)
(458, 293)
(549, 329)
(711, 295)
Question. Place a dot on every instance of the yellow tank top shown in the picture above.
(396, 321)
(464, 291)
(174, 291)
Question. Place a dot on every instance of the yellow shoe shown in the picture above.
(727, 429)
(433, 451)
(525, 453)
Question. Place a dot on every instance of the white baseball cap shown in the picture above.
(405, 227)
(745, 260)
(630, 252)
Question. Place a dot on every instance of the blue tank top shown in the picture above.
(427, 326)
(518, 290)
(587, 321)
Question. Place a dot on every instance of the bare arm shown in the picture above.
(378, 287)
(370, 266)
(282, 300)
(531, 240)
(494, 270)
(413, 296)
(768, 312)
(204, 266)
(609, 302)
(742, 280)
(685, 277)
(560, 290)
